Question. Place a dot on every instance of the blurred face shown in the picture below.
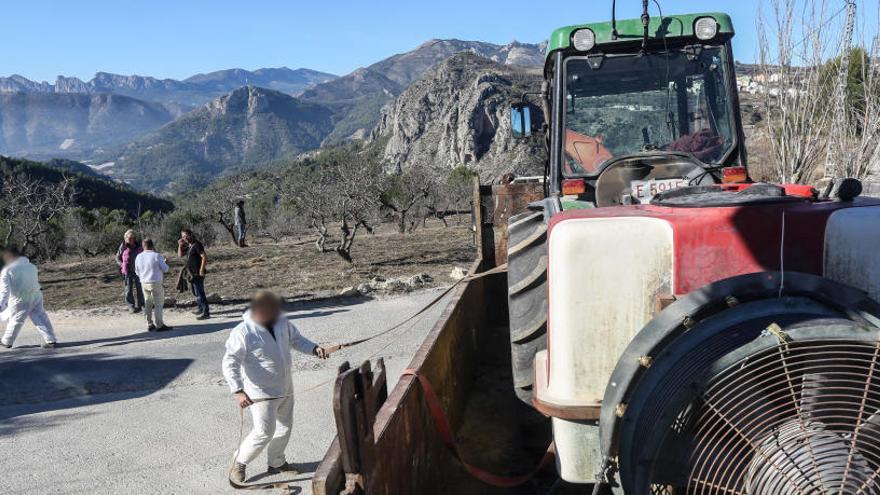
(266, 311)
(129, 239)
(8, 258)
(186, 237)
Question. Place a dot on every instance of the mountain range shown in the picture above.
(245, 117)
(190, 92)
(49, 125)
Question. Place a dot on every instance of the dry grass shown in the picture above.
(292, 267)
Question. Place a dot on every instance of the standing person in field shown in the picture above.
(197, 268)
(151, 268)
(257, 368)
(20, 298)
(125, 256)
(240, 222)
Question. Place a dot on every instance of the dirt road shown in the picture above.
(117, 410)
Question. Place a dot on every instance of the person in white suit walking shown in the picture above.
(257, 368)
(20, 298)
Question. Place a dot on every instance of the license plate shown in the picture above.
(644, 190)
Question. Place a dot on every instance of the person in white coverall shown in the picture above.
(257, 368)
(20, 298)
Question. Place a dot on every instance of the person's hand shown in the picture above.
(181, 242)
(203, 272)
(321, 352)
(243, 400)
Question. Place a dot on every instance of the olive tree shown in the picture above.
(340, 191)
(31, 209)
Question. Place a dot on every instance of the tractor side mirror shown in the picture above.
(521, 120)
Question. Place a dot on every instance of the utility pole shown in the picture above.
(838, 124)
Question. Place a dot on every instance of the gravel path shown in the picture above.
(117, 410)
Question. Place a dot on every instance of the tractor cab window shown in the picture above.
(676, 100)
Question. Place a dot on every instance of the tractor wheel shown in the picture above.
(527, 296)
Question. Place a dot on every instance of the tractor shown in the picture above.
(686, 329)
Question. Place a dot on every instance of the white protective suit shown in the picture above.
(260, 366)
(20, 298)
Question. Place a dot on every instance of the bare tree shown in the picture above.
(800, 42)
(217, 202)
(795, 40)
(859, 143)
(30, 206)
(450, 194)
(404, 194)
(342, 191)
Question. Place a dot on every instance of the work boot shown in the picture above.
(284, 468)
(165, 328)
(203, 316)
(151, 328)
(5, 345)
(46, 345)
(237, 474)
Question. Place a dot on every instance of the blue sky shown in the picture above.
(179, 38)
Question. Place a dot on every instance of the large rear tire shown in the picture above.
(527, 296)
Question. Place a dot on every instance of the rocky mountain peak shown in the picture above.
(457, 114)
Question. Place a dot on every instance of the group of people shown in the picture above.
(143, 273)
(257, 362)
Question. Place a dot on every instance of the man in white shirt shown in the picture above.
(151, 268)
(257, 368)
(20, 298)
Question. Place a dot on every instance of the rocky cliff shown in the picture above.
(247, 127)
(458, 114)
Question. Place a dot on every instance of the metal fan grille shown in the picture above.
(799, 418)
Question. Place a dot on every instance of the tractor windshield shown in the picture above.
(618, 105)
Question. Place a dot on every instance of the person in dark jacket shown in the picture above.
(240, 223)
(196, 267)
(125, 256)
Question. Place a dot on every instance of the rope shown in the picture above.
(448, 438)
(269, 485)
(414, 318)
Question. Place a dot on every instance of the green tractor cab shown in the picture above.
(636, 110)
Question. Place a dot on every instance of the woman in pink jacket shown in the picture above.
(125, 256)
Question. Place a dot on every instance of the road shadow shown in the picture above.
(132, 338)
(328, 305)
(306, 472)
(33, 381)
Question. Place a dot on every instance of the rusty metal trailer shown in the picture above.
(391, 445)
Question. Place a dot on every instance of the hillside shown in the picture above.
(92, 192)
(64, 125)
(356, 101)
(458, 114)
(249, 126)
